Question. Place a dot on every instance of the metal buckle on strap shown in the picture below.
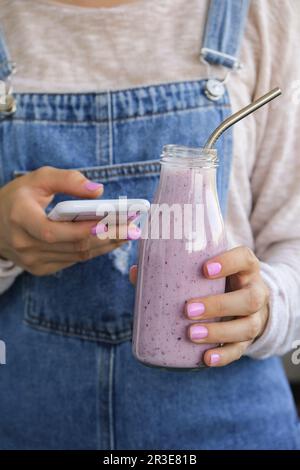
(236, 64)
(7, 101)
(215, 86)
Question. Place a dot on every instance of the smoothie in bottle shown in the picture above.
(170, 268)
(170, 264)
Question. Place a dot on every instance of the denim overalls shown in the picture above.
(70, 381)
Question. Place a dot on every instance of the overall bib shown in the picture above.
(70, 381)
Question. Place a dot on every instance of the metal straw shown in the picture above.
(240, 115)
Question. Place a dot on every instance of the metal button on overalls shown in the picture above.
(7, 105)
(214, 89)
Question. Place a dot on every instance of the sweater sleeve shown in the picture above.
(275, 180)
(8, 274)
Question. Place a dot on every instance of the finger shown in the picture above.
(48, 231)
(57, 257)
(50, 180)
(83, 255)
(88, 244)
(103, 231)
(242, 329)
(113, 232)
(238, 303)
(224, 355)
(107, 248)
(98, 244)
(238, 260)
(67, 247)
(25, 243)
(133, 274)
(79, 236)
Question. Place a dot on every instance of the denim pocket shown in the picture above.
(93, 300)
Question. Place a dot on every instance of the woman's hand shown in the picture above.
(245, 303)
(30, 239)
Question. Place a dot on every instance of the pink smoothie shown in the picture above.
(170, 272)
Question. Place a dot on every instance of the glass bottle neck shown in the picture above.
(189, 157)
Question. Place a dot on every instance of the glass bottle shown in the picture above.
(185, 228)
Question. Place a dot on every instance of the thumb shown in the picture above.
(52, 180)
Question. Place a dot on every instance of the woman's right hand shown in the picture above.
(30, 239)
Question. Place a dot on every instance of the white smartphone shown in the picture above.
(112, 210)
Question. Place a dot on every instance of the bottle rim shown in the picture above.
(189, 157)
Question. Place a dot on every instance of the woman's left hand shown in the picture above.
(246, 301)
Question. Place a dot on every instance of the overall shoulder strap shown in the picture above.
(224, 31)
(6, 65)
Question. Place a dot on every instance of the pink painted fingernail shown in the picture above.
(99, 228)
(134, 232)
(213, 268)
(195, 309)
(215, 358)
(91, 186)
(198, 332)
(132, 216)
